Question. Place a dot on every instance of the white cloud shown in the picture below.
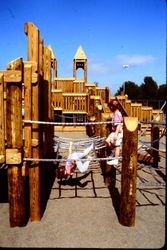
(135, 60)
(103, 67)
(116, 64)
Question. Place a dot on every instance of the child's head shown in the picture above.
(113, 105)
(70, 167)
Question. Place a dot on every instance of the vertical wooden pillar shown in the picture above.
(27, 110)
(34, 172)
(3, 175)
(47, 77)
(129, 172)
(16, 193)
(41, 98)
(47, 97)
(155, 144)
(2, 121)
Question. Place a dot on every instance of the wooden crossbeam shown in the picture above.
(12, 75)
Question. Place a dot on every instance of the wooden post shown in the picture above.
(109, 175)
(34, 172)
(2, 121)
(3, 172)
(47, 98)
(16, 192)
(129, 172)
(27, 110)
(155, 144)
(47, 77)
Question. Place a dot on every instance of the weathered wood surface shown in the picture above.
(34, 172)
(16, 188)
(2, 121)
(129, 172)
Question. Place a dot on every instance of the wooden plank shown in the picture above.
(12, 75)
(16, 188)
(34, 172)
(41, 57)
(14, 113)
(46, 98)
(129, 172)
(16, 64)
(34, 69)
(47, 78)
(32, 33)
(27, 109)
(16, 195)
(13, 156)
(2, 120)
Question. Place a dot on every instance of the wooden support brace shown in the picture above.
(13, 156)
(12, 75)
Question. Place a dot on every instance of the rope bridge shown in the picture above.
(79, 144)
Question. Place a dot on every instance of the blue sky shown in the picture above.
(112, 33)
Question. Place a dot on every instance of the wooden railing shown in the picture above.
(90, 88)
(144, 113)
(70, 102)
(103, 92)
(69, 85)
(75, 103)
(57, 99)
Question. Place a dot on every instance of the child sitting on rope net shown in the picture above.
(114, 140)
(74, 161)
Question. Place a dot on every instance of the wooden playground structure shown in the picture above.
(31, 91)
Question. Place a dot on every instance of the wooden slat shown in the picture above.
(12, 75)
(34, 172)
(16, 185)
(2, 121)
(27, 109)
(16, 64)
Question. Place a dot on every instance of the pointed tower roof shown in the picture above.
(80, 54)
(52, 54)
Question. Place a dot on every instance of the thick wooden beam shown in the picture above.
(14, 115)
(16, 187)
(12, 75)
(47, 78)
(129, 172)
(16, 64)
(2, 121)
(34, 171)
(27, 110)
(34, 70)
(32, 33)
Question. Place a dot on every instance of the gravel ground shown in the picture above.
(83, 215)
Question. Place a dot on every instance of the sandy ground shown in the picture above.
(82, 215)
